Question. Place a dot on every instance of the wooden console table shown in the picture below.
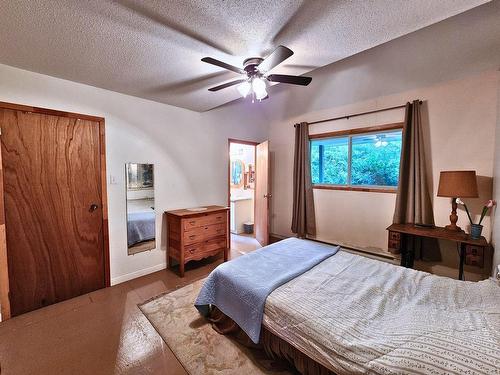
(398, 232)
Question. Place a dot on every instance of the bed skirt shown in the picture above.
(275, 347)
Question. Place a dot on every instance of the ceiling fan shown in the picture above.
(254, 74)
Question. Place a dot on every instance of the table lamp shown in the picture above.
(457, 184)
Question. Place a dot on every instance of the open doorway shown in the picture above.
(248, 192)
(242, 190)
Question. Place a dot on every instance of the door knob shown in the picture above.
(93, 207)
(268, 195)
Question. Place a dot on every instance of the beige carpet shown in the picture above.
(196, 345)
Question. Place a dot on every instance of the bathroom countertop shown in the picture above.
(240, 199)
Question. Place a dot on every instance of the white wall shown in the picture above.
(141, 194)
(188, 149)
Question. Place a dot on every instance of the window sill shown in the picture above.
(355, 188)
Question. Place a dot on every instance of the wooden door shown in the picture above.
(262, 193)
(53, 207)
(4, 274)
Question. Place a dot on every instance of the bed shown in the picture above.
(140, 227)
(348, 314)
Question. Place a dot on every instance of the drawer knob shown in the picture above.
(192, 237)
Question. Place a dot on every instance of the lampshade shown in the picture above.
(244, 88)
(456, 184)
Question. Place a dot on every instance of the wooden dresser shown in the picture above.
(194, 235)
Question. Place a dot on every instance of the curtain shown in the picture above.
(413, 200)
(303, 217)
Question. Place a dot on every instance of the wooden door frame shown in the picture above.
(243, 142)
(4, 292)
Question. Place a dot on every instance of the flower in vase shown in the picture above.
(486, 207)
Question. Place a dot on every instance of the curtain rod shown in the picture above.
(358, 114)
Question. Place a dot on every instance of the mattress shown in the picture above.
(356, 315)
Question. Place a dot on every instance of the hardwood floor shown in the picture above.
(102, 332)
(142, 246)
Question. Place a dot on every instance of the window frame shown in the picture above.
(350, 133)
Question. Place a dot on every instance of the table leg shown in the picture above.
(404, 250)
(181, 269)
(462, 261)
(407, 251)
(410, 258)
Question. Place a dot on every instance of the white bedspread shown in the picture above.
(357, 315)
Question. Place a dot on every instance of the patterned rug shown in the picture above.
(196, 345)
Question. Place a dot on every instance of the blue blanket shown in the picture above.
(239, 288)
(140, 227)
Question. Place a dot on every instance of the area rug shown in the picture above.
(194, 342)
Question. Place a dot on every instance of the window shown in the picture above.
(357, 159)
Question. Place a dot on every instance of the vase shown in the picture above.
(475, 231)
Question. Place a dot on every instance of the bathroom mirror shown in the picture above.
(237, 172)
(141, 217)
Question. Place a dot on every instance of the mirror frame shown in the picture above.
(153, 245)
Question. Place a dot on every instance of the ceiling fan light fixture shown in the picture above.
(259, 88)
(253, 81)
(262, 95)
(244, 88)
(380, 141)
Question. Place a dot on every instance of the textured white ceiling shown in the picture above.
(152, 49)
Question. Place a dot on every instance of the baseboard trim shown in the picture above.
(139, 273)
(375, 253)
(273, 237)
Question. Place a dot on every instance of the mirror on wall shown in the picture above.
(141, 218)
(237, 173)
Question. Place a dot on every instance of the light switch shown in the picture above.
(112, 179)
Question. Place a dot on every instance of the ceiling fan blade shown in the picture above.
(225, 85)
(294, 80)
(280, 54)
(212, 61)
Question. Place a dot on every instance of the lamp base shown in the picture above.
(453, 227)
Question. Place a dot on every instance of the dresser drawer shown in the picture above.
(202, 249)
(394, 245)
(396, 236)
(200, 221)
(474, 255)
(203, 233)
